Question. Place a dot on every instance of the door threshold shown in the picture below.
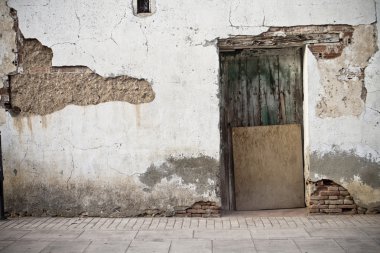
(293, 212)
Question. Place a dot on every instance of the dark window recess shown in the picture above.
(143, 6)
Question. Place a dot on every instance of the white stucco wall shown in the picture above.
(175, 49)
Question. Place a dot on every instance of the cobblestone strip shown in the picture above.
(173, 223)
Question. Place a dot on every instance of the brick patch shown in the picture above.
(331, 198)
(198, 209)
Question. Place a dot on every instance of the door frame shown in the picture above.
(227, 187)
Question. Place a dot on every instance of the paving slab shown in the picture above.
(353, 245)
(66, 247)
(319, 246)
(279, 233)
(107, 246)
(275, 245)
(336, 232)
(12, 234)
(233, 246)
(94, 235)
(164, 235)
(191, 246)
(148, 247)
(51, 235)
(222, 234)
(25, 247)
(356, 233)
(373, 232)
(4, 244)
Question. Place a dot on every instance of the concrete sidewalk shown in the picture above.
(232, 233)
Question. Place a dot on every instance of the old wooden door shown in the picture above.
(263, 165)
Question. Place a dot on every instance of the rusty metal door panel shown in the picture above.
(268, 167)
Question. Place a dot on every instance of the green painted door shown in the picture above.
(259, 87)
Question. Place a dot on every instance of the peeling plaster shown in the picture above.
(41, 89)
(342, 79)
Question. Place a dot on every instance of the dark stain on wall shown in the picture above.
(194, 170)
(346, 165)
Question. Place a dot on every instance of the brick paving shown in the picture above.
(233, 233)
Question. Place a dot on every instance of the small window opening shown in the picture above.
(143, 6)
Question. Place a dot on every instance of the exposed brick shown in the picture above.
(181, 208)
(344, 193)
(329, 193)
(333, 188)
(333, 197)
(313, 210)
(196, 215)
(336, 210)
(316, 202)
(320, 206)
(319, 197)
(196, 206)
(196, 211)
(341, 188)
(348, 202)
(183, 214)
(347, 206)
(334, 202)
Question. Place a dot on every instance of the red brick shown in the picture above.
(333, 197)
(182, 215)
(322, 188)
(196, 206)
(348, 202)
(344, 193)
(342, 188)
(329, 193)
(319, 197)
(347, 206)
(334, 202)
(316, 202)
(333, 188)
(320, 206)
(200, 211)
(336, 210)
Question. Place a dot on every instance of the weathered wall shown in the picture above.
(116, 157)
(344, 117)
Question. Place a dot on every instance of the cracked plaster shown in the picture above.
(175, 49)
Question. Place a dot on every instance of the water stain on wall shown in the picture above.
(202, 171)
(359, 175)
